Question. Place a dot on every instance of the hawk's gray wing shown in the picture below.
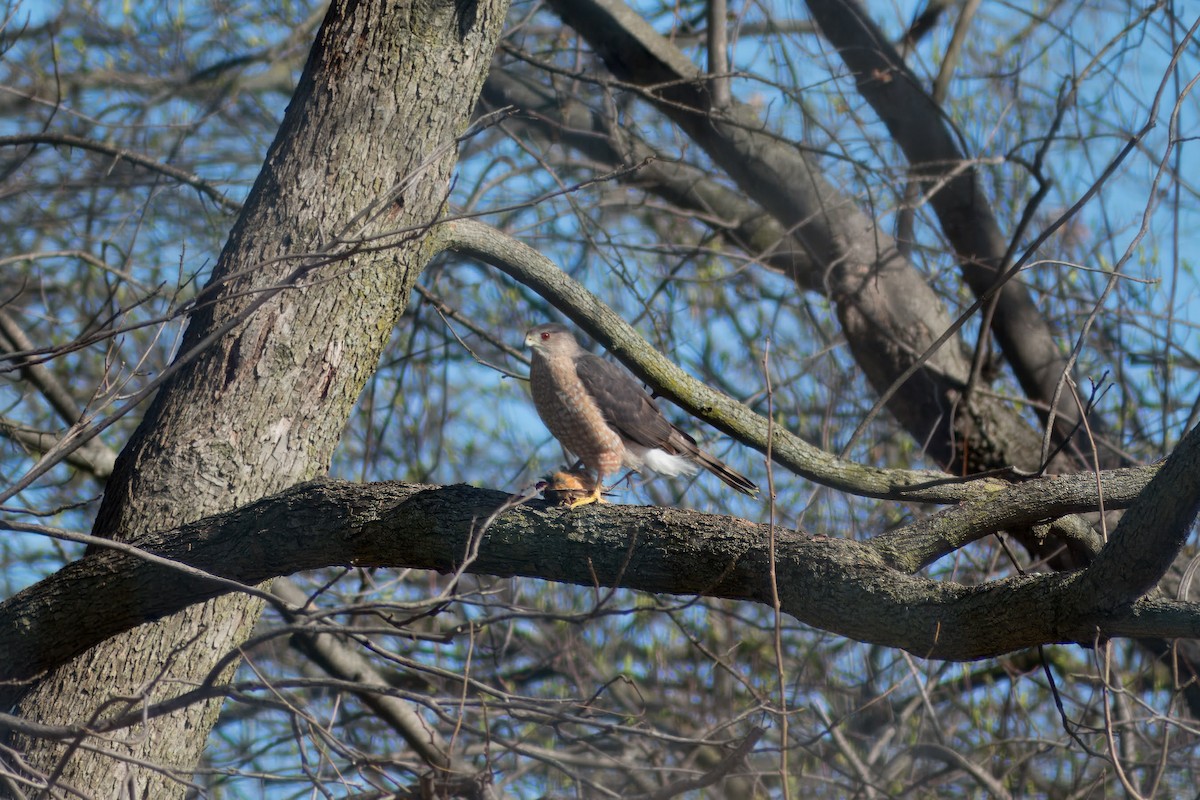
(627, 407)
(634, 415)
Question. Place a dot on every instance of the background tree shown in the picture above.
(916, 246)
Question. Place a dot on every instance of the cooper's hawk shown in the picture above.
(600, 412)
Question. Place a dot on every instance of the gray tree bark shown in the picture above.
(314, 276)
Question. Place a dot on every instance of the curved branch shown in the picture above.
(1021, 505)
(533, 269)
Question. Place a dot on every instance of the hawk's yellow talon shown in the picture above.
(594, 497)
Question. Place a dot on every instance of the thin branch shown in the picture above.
(124, 154)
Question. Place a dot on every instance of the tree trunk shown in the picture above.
(288, 330)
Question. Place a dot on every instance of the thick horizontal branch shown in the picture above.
(836, 584)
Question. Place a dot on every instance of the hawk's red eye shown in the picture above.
(545, 336)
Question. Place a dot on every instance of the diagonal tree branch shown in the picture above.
(922, 131)
(332, 654)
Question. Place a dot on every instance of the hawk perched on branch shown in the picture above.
(600, 412)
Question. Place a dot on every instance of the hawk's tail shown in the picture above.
(731, 477)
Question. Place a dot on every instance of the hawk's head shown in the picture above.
(552, 339)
